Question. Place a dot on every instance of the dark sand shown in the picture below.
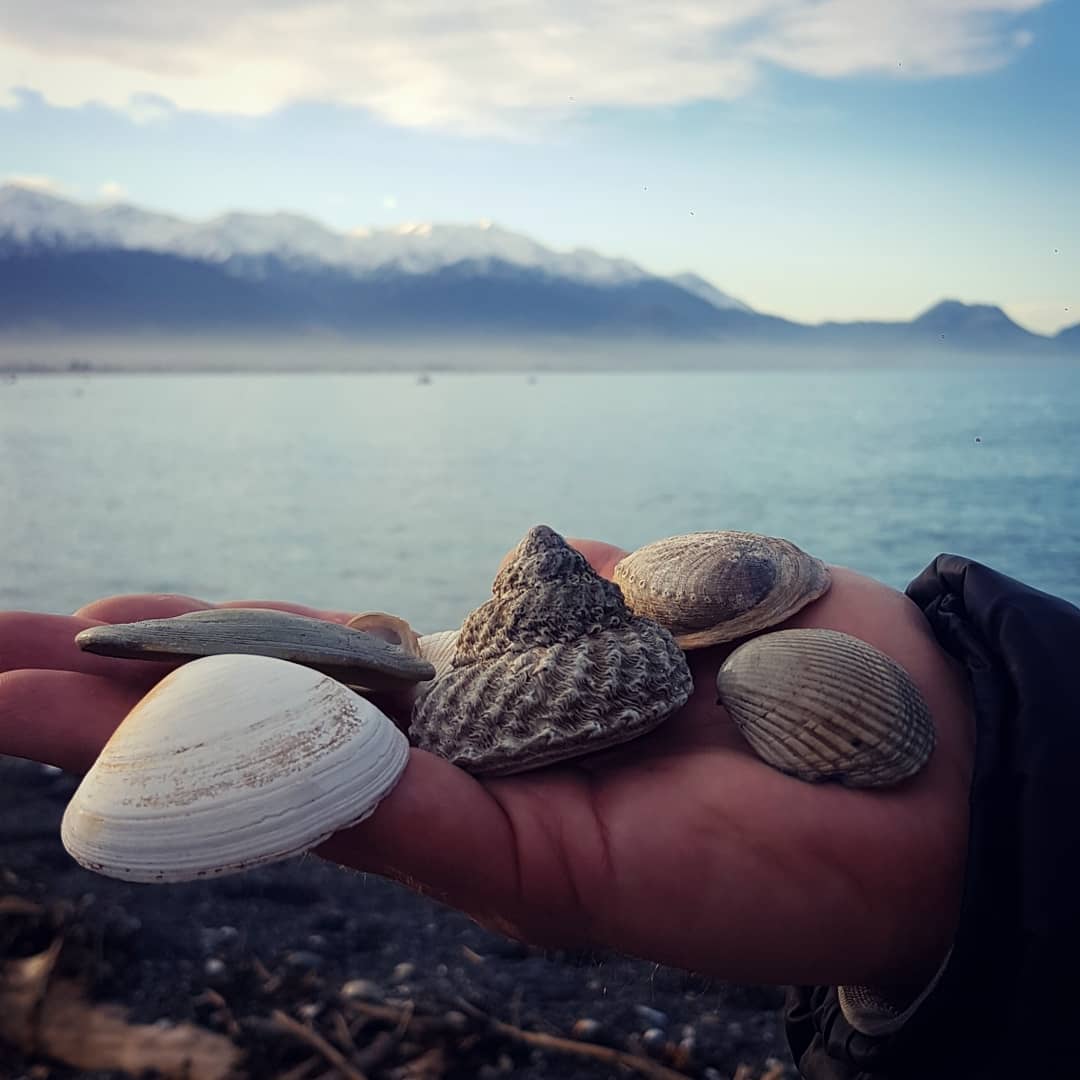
(290, 936)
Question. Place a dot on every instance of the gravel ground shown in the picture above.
(325, 945)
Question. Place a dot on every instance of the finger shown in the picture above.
(296, 609)
(29, 640)
(62, 718)
(138, 606)
(134, 607)
(602, 557)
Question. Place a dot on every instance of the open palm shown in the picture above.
(681, 846)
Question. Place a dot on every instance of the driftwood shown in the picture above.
(46, 1016)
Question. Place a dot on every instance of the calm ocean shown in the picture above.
(375, 491)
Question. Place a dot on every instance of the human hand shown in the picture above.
(681, 846)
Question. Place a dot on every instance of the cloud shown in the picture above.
(35, 182)
(481, 67)
(389, 202)
(111, 191)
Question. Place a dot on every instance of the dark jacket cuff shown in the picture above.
(1006, 1001)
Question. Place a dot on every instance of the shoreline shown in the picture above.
(305, 938)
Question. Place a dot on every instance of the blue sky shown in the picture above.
(816, 158)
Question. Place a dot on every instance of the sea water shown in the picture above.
(381, 491)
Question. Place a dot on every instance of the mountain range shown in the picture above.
(68, 267)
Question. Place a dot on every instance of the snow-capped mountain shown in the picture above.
(70, 267)
(33, 220)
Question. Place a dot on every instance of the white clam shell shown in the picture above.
(230, 762)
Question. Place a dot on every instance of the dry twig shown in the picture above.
(317, 1042)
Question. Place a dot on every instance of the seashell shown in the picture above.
(438, 650)
(230, 762)
(388, 627)
(552, 666)
(352, 656)
(710, 587)
(822, 705)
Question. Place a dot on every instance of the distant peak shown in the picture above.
(957, 307)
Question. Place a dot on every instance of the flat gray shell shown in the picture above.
(711, 587)
(551, 667)
(350, 656)
(822, 705)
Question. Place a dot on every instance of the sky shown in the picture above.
(818, 159)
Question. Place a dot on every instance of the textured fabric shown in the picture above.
(1005, 1004)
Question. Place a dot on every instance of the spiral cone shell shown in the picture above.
(710, 587)
(552, 666)
(822, 705)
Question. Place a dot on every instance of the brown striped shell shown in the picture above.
(552, 666)
(710, 587)
(822, 705)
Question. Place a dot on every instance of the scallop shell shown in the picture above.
(710, 587)
(349, 655)
(552, 666)
(230, 762)
(822, 705)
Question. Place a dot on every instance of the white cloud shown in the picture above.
(478, 67)
(35, 182)
(112, 191)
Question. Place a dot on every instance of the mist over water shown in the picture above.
(377, 491)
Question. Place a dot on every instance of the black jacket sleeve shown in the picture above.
(1008, 1000)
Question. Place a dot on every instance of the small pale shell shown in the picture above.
(230, 762)
(822, 705)
(710, 587)
(551, 667)
(349, 655)
(388, 627)
(438, 650)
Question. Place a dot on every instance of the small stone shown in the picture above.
(457, 1020)
(402, 972)
(218, 937)
(441, 970)
(316, 941)
(713, 1074)
(309, 1010)
(684, 1052)
(586, 1028)
(302, 960)
(329, 920)
(653, 1017)
(362, 990)
(735, 1029)
(654, 1039)
(215, 968)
